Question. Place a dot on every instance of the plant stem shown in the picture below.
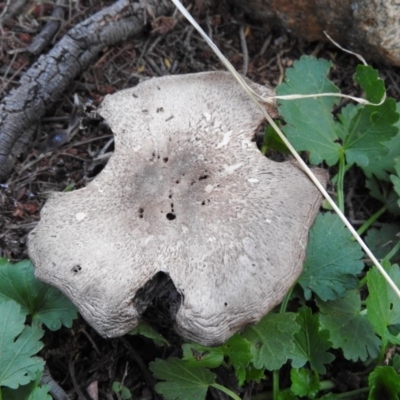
(392, 253)
(224, 390)
(285, 300)
(371, 220)
(350, 395)
(340, 182)
(275, 384)
(326, 385)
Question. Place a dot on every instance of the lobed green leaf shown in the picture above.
(18, 345)
(348, 328)
(182, 380)
(271, 340)
(304, 382)
(383, 304)
(44, 303)
(309, 122)
(333, 259)
(311, 343)
(384, 383)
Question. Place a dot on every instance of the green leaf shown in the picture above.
(396, 178)
(368, 79)
(254, 374)
(286, 395)
(182, 381)
(148, 331)
(31, 391)
(272, 340)
(333, 259)
(47, 305)
(386, 164)
(40, 393)
(396, 362)
(18, 343)
(237, 349)
(310, 125)
(384, 383)
(383, 191)
(311, 343)
(382, 303)
(381, 241)
(367, 128)
(348, 328)
(304, 382)
(272, 141)
(197, 355)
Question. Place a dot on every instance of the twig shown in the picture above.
(56, 391)
(49, 30)
(245, 52)
(138, 360)
(78, 390)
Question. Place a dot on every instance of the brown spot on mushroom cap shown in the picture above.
(227, 225)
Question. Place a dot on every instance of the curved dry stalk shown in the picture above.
(295, 154)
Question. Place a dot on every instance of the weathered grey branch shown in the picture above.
(50, 29)
(50, 76)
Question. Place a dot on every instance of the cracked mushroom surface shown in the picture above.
(188, 194)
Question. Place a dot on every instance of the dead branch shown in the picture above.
(51, 74)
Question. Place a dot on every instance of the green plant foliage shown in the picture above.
(393, 146)
(272, 340)
(349, 329)
(123, 391)
(236, 350)
(148, 331)
(383, 191)
(367, 128)
(31, 391)
(368, 79)
(359, 134)
(182, 380)
(286, 395)
(311, 343)
(272, 141)
(305, 383)
(384, 383)
(18, 345)
(45, 304)
(314, 115)
(383, 305)
(381, 241)
(396, 178)
(333, 260)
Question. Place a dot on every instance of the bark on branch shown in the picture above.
(52, 73)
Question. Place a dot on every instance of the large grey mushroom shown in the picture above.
(187, 195)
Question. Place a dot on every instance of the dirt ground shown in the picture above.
(79, 357)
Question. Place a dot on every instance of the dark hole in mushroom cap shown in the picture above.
(171, 216)
(76, 268)
(158, 301)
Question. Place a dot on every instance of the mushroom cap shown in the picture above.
(186, 193)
